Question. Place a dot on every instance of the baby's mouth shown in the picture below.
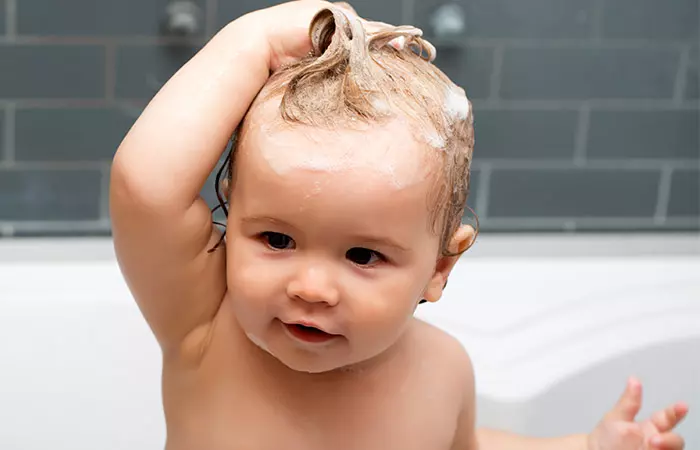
(309, 334)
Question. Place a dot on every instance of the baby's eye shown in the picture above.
(363, 256)
(278, 241)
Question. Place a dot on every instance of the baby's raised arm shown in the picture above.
(162, 227)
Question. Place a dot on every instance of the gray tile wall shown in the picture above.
(587, 111)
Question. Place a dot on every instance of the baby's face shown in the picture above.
(330, 230)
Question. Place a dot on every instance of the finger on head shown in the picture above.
(667, 441)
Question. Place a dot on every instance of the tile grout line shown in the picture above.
(137, 40)
(59, 165)
(11, 20)
(581, 139)
(104, 192)
(481, 103)
(71, 103)
(591, 164)
(482, 199)
(681, 76)
(210, 14)
(597, 21)
(110, 71)
(617, 104)
(496, 71)
(56, 225)
(663, 195)
(8, 155)
(697, 68)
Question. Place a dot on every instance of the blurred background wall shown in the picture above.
(587, 111)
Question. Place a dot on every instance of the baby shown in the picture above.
(345, 192)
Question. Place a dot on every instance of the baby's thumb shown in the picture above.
(629, 404)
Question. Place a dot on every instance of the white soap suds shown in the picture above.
(434, 140)
(381, 105)
(456, 103)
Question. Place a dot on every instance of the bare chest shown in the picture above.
(233, 411)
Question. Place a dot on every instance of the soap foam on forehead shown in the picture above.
(381, 154)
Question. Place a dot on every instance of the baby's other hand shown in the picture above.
(619, 431)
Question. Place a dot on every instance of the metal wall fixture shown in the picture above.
(448, 21)
(182, 18)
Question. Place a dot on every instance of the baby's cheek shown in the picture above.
(249, 283)
(247, 276)
(382, 309)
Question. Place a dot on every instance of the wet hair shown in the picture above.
(361, 72)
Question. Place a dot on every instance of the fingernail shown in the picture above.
(656, 441)
(398, 43)
(633, 383)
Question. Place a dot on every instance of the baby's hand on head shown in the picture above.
(287, 29)
(619, 431)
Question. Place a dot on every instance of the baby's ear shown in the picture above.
(461, 240)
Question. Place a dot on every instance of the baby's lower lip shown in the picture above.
(309, 334)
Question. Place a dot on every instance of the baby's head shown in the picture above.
(346, 188)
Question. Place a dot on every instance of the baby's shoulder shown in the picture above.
(444, 351)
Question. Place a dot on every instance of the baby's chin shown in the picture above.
(312, 365)
(309, 368)
(259, 343)
(315, 364)
(293, 363)
(324, 365)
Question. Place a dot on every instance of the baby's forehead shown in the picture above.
(378, 151)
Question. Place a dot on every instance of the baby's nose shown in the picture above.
(314, 284)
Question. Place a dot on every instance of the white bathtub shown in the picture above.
(554, 326)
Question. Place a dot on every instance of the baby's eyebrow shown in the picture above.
(386, 241)
(266, 219)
